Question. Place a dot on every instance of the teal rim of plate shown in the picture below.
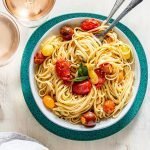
(73, 134)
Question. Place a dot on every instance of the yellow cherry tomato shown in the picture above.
(126, 51)
(47, 50)
(48, 102)
(92, 74)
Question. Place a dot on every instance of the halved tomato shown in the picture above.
(63, 70)
(82, 88)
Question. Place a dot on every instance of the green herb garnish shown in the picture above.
(79, 79)
(82, 71)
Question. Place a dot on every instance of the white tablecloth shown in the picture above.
(15, 116)
(15, 141)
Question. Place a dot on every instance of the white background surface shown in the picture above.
(15, 116)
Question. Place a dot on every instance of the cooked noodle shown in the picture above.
(85, 47)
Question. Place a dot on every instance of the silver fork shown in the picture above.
(116, 6)
(118, 3)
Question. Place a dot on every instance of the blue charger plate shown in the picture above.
(72, 134)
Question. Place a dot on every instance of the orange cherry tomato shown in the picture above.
(48, 102)
(90, 24)
(109, 106)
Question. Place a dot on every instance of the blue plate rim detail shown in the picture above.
(68, 133)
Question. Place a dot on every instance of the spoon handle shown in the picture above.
(117, 5)
(133, 4)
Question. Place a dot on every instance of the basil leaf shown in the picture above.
(79, 79)
(85, 71)
(82, 71)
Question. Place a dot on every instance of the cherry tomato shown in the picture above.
(68, 83)
(109, 106)
(100, 83)
(90, 24)
(108, 39)
(106, 68)
(101, 78)
(63, 70)
(82, 88)
(88, 119)
(66, 32)
(100, 73)
(120, 76)
(48, 102)
(39, 58)
(47, 50)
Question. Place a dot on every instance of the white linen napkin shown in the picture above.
(15, 141)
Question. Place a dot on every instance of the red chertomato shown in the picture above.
(106, 68)
(90, 24)
(39, 58)
(63, 70)
(68, 83)
(100, 83)
(82, 88)
(88, 119)
(101, 78)
(100, 73)
(67, 32)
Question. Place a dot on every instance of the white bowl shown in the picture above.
(104, 123)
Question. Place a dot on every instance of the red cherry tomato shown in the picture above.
(39, 58)
(82, 88)
(88, 119)
(100, 73)
(101, 78)
(90, 24)
(106, 68)
(67, 32)
(100, 83)
(68, 83)
(63, 70)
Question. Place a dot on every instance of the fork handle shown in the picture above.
(116, 6)
(133, 4)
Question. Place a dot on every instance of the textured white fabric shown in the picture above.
(22, 145)
(16, 141)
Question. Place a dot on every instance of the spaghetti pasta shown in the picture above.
(86, 48)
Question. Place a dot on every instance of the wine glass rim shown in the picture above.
(46, 14)
(10, 19)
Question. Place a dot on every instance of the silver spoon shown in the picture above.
(132, 4)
